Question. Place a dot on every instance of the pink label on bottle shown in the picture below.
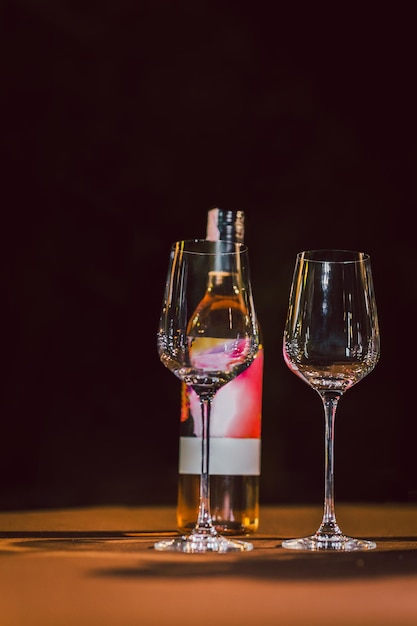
(236, 410)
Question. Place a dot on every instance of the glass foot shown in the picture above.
(328, 542)
(198, 542)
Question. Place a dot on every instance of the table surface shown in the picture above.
(97, 565)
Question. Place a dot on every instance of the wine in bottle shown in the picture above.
(235, 430)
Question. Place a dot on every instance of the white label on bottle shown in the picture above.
(230, 456)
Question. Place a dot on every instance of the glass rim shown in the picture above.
(213, 247)
(333, 255)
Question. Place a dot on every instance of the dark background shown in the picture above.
(123, 123)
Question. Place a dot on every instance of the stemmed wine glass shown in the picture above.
(331, 341)
(207, 335)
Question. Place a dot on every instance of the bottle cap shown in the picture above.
(225, 225)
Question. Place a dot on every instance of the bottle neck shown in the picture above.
(225, 225)
(221, 282)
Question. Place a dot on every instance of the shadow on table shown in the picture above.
(277, 566)
(268, 560)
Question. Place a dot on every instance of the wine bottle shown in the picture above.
(235, 432)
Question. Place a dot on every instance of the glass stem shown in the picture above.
(329, 525)
(204, 521)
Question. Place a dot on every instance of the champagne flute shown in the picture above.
(331, 341)
(208, 334)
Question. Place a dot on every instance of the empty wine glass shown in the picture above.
(208, 334)
(331, 341)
